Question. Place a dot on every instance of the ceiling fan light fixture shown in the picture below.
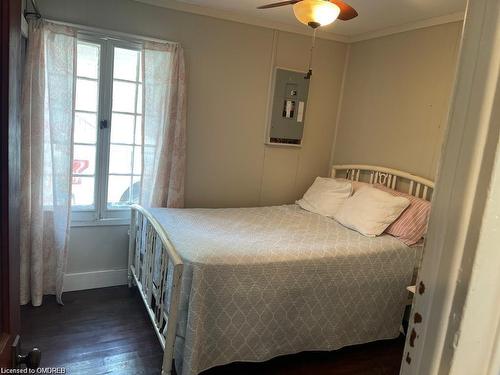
(316, 13)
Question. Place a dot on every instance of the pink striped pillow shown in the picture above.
(411, 225)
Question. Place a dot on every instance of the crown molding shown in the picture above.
(449, 18)
(249, 20)
(255, 21)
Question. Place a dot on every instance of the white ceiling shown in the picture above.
(374, 15)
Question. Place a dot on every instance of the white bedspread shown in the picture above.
(262, 282)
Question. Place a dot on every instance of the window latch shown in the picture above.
(104, 124)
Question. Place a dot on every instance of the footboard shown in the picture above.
(156, 269)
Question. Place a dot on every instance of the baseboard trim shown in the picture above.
(416, 25)
(94, 279)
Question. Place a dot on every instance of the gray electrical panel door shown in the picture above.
(289, 107)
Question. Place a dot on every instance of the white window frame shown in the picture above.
(101, 214)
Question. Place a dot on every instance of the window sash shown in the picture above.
(101, 214)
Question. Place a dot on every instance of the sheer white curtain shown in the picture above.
(164, 125)
(46, 153)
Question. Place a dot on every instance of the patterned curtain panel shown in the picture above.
(46, 130)
(164, 127)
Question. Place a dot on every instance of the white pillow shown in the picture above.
(325, 196)
(370, 211)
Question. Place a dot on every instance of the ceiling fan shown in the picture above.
(316, 13)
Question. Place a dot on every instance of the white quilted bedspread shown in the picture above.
(262, 282)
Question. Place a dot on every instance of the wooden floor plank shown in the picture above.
(107, 331)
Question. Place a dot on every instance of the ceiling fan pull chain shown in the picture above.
(309, 72)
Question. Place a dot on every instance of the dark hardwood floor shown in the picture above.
(97, 331)
(107, 331)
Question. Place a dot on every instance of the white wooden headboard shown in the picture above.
(392, 178)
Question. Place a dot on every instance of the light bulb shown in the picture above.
(316, 12)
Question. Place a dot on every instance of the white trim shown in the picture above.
(441, 20)
(94, 279)
(458, 299)
(114, 222)
(298, 29)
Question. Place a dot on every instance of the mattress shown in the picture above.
(267, 281)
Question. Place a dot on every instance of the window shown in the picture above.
(85, 126)
(107, 136)
(125, 143)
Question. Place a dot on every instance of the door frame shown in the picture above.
(10, 130)
(454, 323)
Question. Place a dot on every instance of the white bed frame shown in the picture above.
(392, 178)
(149, 243)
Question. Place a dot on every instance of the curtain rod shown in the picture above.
(34, 13)
(111, 33)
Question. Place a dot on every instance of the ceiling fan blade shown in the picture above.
(347, 12)
(280, 4)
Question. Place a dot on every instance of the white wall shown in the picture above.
(97, 257)
(229, 66)
(396, 99)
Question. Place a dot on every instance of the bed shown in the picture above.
(250, 284)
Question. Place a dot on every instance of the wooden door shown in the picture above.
(10, 86)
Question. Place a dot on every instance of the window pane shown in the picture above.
(82, 193)
(136, 189)
(140, 67)
(138, 130)
(118, 190)
(120, 159)
(83, 159)
(125, 64)
(85, 127)
(122, 128)
(86, 95)
(123, 96)
(88, 60)
(139, 99)
(137, 160)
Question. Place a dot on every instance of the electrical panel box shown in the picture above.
(288, 108)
